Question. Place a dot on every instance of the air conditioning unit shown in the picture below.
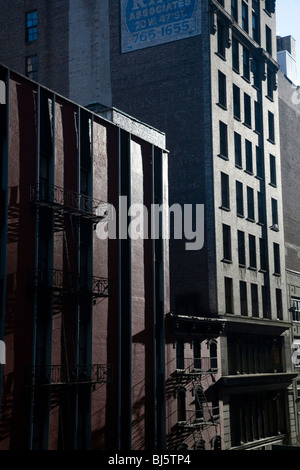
(274, 227)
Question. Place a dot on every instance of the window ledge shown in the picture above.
(222, 106)
(277, 274)
(271, 141)
(238, 166)
(257, 131)
(227, 261)
(241, 216)
(224, 208)
(237, 118)
(223, 156)
(259, 177)
(252, 268)
(236, 70)
(263, 271)
(242, 265)
(250, 219)
(220, 56)
(246, 79)
(273, 185)
(270, 98)
(247, 125)
(249, 172)
(262, 224)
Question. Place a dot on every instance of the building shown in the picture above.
(286, 57)
(289, 112)
(82, 314)
(205, 73)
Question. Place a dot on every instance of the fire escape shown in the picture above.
(197, 374)
(66, 286)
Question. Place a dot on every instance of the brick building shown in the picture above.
(205, 73)
(79, 312)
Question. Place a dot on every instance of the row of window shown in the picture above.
(31, 34)
(245, 23)
(243, 296)
(240, 212)
(227, 251)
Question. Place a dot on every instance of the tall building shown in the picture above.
(205, 73)
(286, 57)
(82, 314)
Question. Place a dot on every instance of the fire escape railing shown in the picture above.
(197, 366)
(205, 416)
(68, 374)
(69, 282)
(55, 197)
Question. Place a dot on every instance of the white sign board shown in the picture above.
(146, 23)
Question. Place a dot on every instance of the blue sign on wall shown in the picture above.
(146, 23)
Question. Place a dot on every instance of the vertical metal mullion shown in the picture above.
(119, 352)
(154, 345)
(35, 274)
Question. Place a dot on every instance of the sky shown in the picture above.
(288, 24)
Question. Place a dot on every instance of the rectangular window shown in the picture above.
(236, 102)
(243, 298)
(274, 211)
(258, 117)
(265, 301)
(271, 127)
(263, 254)
(238, 149)
(227, 256)
(273, 179)
(254, 300)
(268, 40)
(259, 163)
(234, 10)
(256, 73)
(252, 252)
(239, 199)
(249, 161)
(245, 17)
(270, 86)
(225, 191)
(31, 66)
(261, 208)
(250, 204)
(228, 295)
(276, 251)
(255, 27)
(221, 39)
(31, 26)
(241, 248)
(246, 63)
(222, 90)
(235, 55)
(279, 304)
(247, 110)
(180, 355)
(223, 140)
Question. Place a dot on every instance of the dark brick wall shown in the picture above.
(162, 86)
(289, 120)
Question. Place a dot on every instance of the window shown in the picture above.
(255, 27)
(228, 295)
(259, 163)
(276, 251)
(199, 401)
(226, 243)
(197, 354)
(279, 304)
(248, 151)
(180, 355)
(271, 127)
(239, 199)
(243, 298)
(250, 204)
(241, 248)
(263, 254)
(225, 191)
(245, 17)
(31, 26)
(221, 41)
(246, 63)
(254, 300)
(274, 211)
(273, 179)
(223, 140)
(222, 90)
(295, 309)
(234, 10)
(265, 301)
(235, 55)
(181, 409)
(221, 2)
(238, 149)
(270, 84)
(270, 6)
(247, 110)
(258, 119)
(236, 102)
(32, 67)
(252, 252)
(261, 208)
(256, 73)
(268, 40)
